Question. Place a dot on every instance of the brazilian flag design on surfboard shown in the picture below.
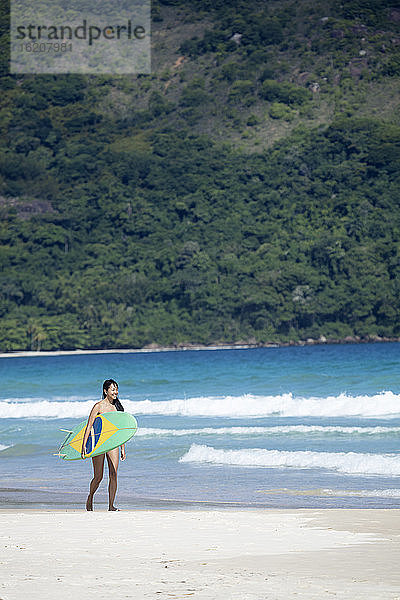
(109, 430)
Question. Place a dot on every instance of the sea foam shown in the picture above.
(270, 431)
(44, 409)
(387, 493)
(344, 462)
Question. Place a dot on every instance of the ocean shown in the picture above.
(293, 427)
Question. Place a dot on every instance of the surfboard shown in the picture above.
(109, 430)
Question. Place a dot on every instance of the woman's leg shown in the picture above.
(112, 460)
(98, 468)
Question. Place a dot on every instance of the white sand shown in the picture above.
(213, 555)
(35, 353)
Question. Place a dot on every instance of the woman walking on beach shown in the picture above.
(110, 402)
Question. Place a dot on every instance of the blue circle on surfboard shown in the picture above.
(94, 435)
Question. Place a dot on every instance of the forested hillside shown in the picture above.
(247, 190)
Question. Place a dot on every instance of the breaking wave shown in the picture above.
(384, 404)
(344, 462)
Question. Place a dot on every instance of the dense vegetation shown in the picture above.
(247, 191)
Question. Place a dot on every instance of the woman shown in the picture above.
(109, 402)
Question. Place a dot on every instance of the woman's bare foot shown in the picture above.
(113, 508)
(89, 503)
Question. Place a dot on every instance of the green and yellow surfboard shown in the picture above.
(109, 430)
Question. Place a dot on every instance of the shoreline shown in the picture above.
(151, 348)
(282, 554)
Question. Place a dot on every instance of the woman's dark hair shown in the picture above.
(106, 385)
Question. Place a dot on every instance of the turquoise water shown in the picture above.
(315, 426)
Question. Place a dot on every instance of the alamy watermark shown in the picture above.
(80, 36)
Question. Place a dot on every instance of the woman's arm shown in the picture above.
(93, 414)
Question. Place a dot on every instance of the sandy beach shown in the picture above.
(210, 555)
(146, 350)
